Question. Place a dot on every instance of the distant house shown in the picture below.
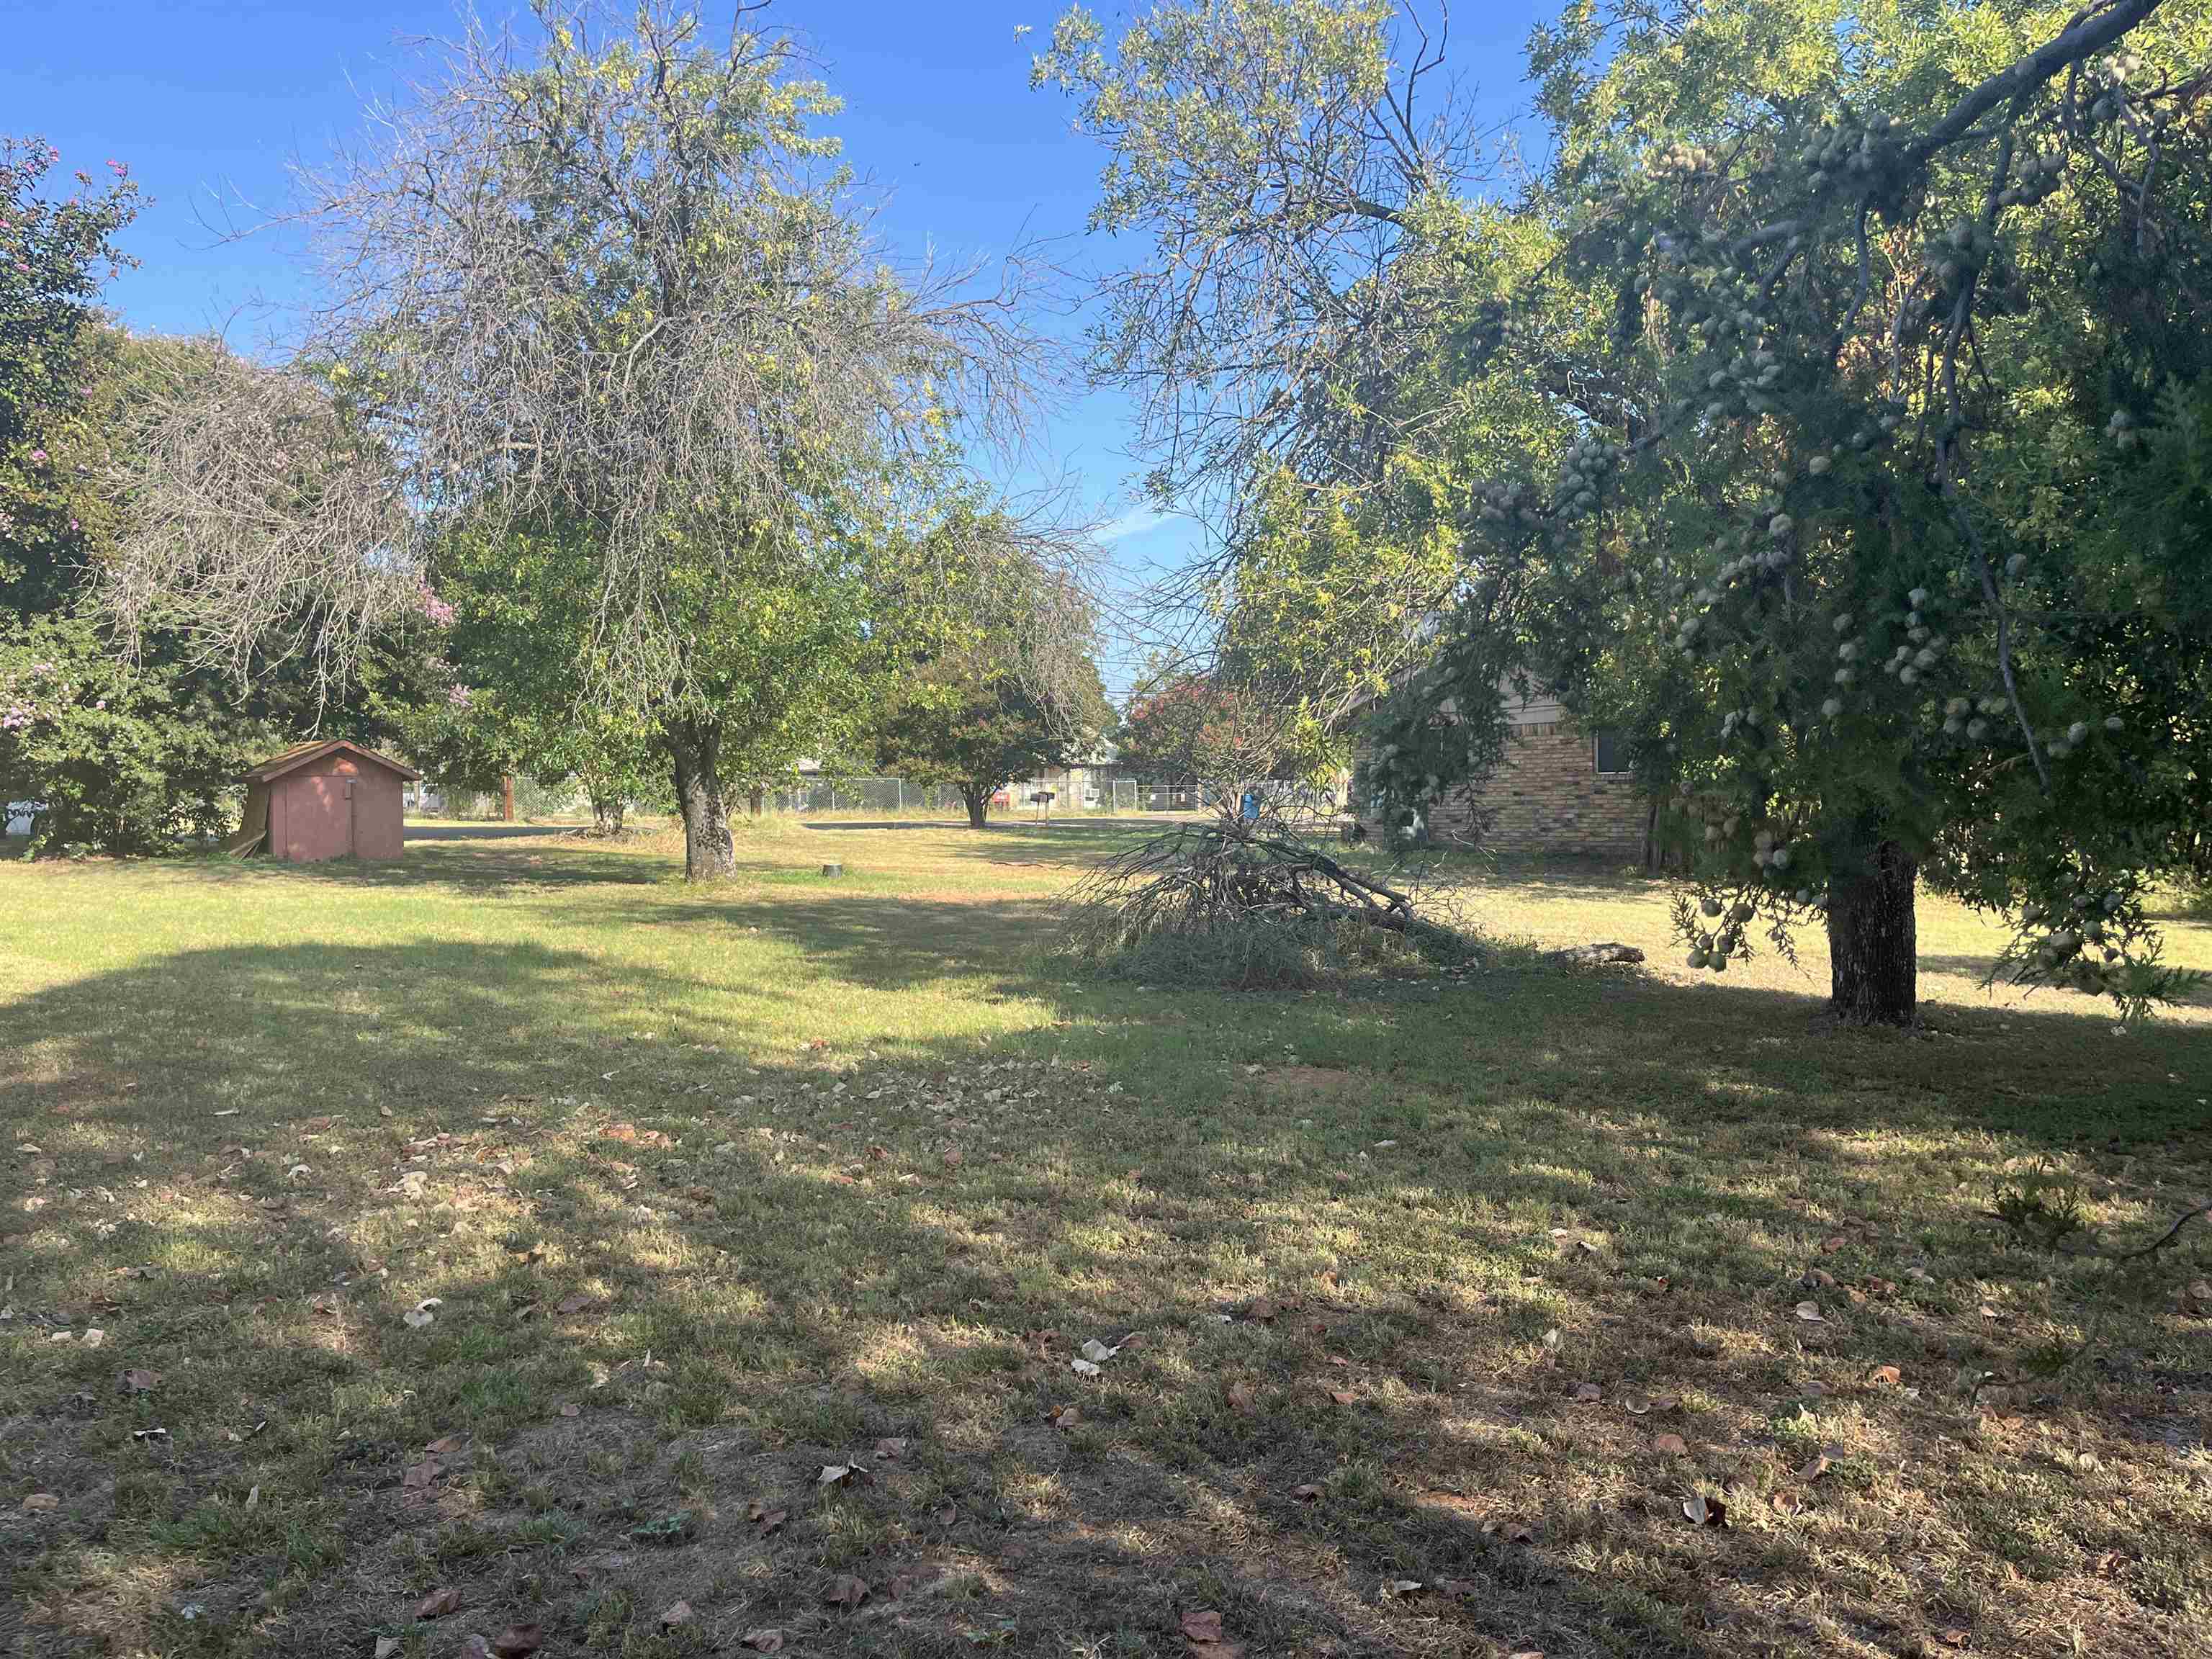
(1561, 791)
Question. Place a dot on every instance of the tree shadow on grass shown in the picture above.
(544, 858)
(740, 1266)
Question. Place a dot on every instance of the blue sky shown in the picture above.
(207, 101)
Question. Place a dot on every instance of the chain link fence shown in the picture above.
(895, 798)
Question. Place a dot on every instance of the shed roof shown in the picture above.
(300, 754)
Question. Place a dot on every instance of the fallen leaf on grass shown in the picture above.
(1306, 1493)
(675, 1614)
(1954, 1639)
(574, 1302)
(1083, 1367)
(837, 1475)
(41, 1500)
(386, 1646)
(1884, 1376)
(1240, 1396)
(845, 1591)
(945, 1515)
(1810, 1313)
(420, 1475)
(1202, 1626)
(1702, 1512)
(1262, 1307)
(1789, 1502)
(569, 1408)
(765, 1640)
(1820, 1462)
(1097, 1352)
(1671, 1445)
(890, 1451)
(1589, 1393)
(1513, 1532)
(770, 1521)
(438, 1603)
(1065, 1418)
(1343, 1396)
(138, 1382)
(518, 1641)
(1394, 1588)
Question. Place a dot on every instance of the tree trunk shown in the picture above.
(978, 797)
(1873, 950)
(607, 813)
(695, 748)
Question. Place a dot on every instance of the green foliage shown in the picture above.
(54, 254)
(121, 758)
(2041, 1203)
(117, 754)
(1828, 417)
(975, 724)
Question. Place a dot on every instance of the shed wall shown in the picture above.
(335, 807)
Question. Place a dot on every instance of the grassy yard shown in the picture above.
(1433, 1306)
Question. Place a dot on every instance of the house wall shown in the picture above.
(1548, 797)
(335, 807)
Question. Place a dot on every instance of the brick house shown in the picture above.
(1559, 792)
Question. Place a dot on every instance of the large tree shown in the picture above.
(119, 752)
(976, 724)
(982, 670)
(602, 289)
(1830, 413)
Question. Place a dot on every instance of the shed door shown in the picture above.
(352, 841)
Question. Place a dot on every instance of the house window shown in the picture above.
(1611, 753)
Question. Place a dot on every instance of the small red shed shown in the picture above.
(330, 800)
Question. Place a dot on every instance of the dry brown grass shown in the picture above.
(756, 1179)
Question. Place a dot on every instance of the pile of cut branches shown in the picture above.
(1248, 903)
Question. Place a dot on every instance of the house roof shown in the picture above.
(300, 754)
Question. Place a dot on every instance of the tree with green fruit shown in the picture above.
(1831, 414)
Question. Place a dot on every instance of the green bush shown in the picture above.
(121, 758)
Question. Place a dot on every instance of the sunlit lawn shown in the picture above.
(714, 1189)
